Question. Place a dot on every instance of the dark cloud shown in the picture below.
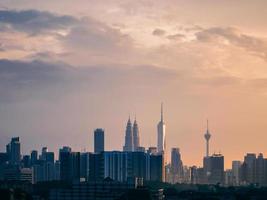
(75, 36)
(33, 21)
(94, 35)
(255, 45)
(21, 80)
(159, 32)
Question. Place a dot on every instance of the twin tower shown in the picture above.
(132, 139)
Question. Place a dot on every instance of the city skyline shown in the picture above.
(68, 68)
(99, 144)
(129, 127)
(106, 174)
(123, 166)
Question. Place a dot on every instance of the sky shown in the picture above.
(69, 67)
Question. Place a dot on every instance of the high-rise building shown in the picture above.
(43, 168)
(49, 171)
(185, 178)
(64, 149)
(139, 165)
(57, 170)
(44, 151)
(254, 170)
(84, 165)
(69, 166)
(49, 157)
(176, 166)
(96, 166)
(157, 168)
(161, 133)
(193, 175)
(34, 157)
(99, 140)
(125, 166)
(236, 172)
(136, 139)
(38, 171)
(3, 158)
(215, 169)
(128, 137)
(228, 177)
(13, 151)
(26, 161)
(249, 169)
(260, 170)
(116, 165)
(18, 174)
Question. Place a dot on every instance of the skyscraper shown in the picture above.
(13, 151)
(216, 169)
(69, 166)
(249, 168)
(176, 165)
(96, 167)
(99, 140)
(157, 169)
(117, 165)
(84, 165)
(44, 151)
(161, 133)
(207, 138)
(236, 171)
(128, 137)
(136, 139)
(260, 170)
(34, 157)
(26, 161)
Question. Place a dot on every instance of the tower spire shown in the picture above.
(161, 115)
(207, 138)
(128, 137)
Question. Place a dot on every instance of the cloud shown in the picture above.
(54, 36)
(20, 80)
(159, 32)
(177, 36)
(233, 36)
(33, 21)
(92, 34)
(2, 47)
(219, 81)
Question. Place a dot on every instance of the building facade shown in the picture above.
(99, 140)
(129, 145)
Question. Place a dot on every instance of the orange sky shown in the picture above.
(89, 64)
